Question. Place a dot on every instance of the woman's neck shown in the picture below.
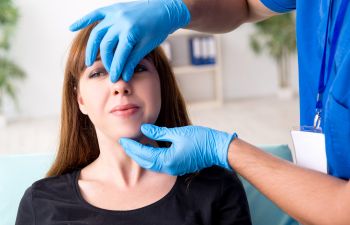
(113, 165)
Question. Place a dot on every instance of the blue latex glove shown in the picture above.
(129, 31)
(193, 148)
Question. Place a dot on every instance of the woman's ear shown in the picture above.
(81, 103)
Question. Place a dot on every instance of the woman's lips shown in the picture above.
(125, 110)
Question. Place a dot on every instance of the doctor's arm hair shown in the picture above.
(311, 197)
(222, 16)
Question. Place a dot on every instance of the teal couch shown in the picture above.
(18, 172)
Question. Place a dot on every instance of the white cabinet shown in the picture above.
(184, 69)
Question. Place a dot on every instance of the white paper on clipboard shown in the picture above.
(310, 150)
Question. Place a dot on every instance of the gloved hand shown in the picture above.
(129, 31)
(193, 148)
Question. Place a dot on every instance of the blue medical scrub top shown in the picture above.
(311, 16)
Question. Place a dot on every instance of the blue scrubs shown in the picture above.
(312, 16)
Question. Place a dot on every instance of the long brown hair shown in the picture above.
(78, 144)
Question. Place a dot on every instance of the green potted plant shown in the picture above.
(9, 71)
(276, 36)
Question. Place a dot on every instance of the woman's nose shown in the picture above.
(121, 88)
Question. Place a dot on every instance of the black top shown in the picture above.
(213, 196)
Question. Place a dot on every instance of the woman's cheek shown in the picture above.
(153, 101)
(94, 98)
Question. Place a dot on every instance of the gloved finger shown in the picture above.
(87, 20)
(145, 156)
(139, 52)
(108, 46)
(121, 55)
(93, 43)
(158, 133)
(135, 57)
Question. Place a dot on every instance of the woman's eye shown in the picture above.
(96, 74)
(140, 68)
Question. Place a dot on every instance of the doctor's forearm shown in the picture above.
(310, 197)
(222, 16)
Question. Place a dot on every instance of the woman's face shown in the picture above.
(118, 109)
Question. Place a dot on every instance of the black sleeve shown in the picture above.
(232, 203)
(25, 213)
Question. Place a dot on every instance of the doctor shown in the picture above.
(128, 31)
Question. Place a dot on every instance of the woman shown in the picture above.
(93, 181)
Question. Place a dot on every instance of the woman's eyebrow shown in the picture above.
(147, 60)
(97, 60)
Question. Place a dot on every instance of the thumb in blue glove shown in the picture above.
(128, 31)
(193, 148)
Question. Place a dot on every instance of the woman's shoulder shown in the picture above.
(215, 177)
(216, 173)
(214, 186)
(56, 185)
